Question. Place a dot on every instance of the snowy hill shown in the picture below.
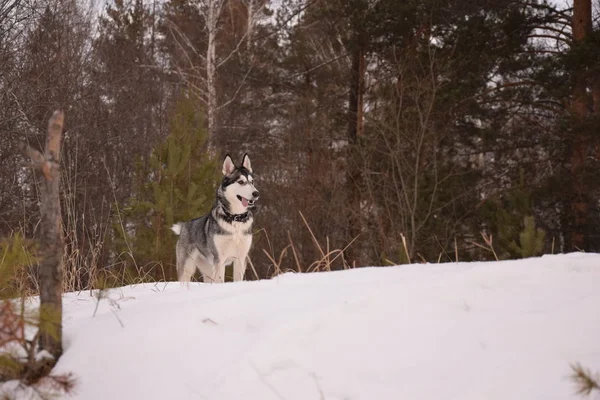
(501, 330)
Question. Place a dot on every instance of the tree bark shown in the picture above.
(579, 207)
(51, 243)
(355, 128)
(212, 19)
(250, 5)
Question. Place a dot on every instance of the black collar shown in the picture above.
(235, 217)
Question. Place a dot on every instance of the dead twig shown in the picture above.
(488, 240)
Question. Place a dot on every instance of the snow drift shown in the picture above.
(497, 330)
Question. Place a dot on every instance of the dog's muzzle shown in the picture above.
(255, 196)
(248, 202)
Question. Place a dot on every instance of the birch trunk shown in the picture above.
(250, 24)
(212, 18)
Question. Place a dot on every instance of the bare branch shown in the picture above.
(55, 126)
(236, 92)
(35, 156)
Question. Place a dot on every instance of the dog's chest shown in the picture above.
(235, 243)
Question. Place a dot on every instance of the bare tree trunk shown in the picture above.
(579, 206)
(250, 5)
(51, 243)
(212, 11)
(212, 19)
(354, 177)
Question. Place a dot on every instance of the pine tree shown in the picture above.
(511, 221)
(531, 240)
(176, 183)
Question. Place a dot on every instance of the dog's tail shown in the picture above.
(177, 228)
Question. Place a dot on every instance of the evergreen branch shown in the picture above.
(321, 65)
(284, 23)
(557, 38)
(555, 30)
(586, 383)
(565, 12)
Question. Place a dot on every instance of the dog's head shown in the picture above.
(238, 187)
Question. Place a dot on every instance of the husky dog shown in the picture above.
(214, 240)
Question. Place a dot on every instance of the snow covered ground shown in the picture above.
(498, 330)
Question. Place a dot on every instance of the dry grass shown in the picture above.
(281, 263)
(87, 267)
(489, 245)
(81, 273)
(83, 270)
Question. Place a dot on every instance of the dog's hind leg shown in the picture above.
(185, 265)
(187, 271)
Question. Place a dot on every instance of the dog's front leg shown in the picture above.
(239, 268)
(220, 275)
(213, 274)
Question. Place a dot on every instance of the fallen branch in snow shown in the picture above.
(112, 304)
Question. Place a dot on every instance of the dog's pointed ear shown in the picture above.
(246, 162)
(228, 165)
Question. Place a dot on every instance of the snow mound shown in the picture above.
(497, 330)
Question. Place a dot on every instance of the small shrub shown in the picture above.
(23, 367)
(16, 256)
(25, 371)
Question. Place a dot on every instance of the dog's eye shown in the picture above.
(241, 182)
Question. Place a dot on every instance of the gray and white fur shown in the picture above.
(224, 235)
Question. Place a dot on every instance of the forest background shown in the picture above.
(381, 132)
